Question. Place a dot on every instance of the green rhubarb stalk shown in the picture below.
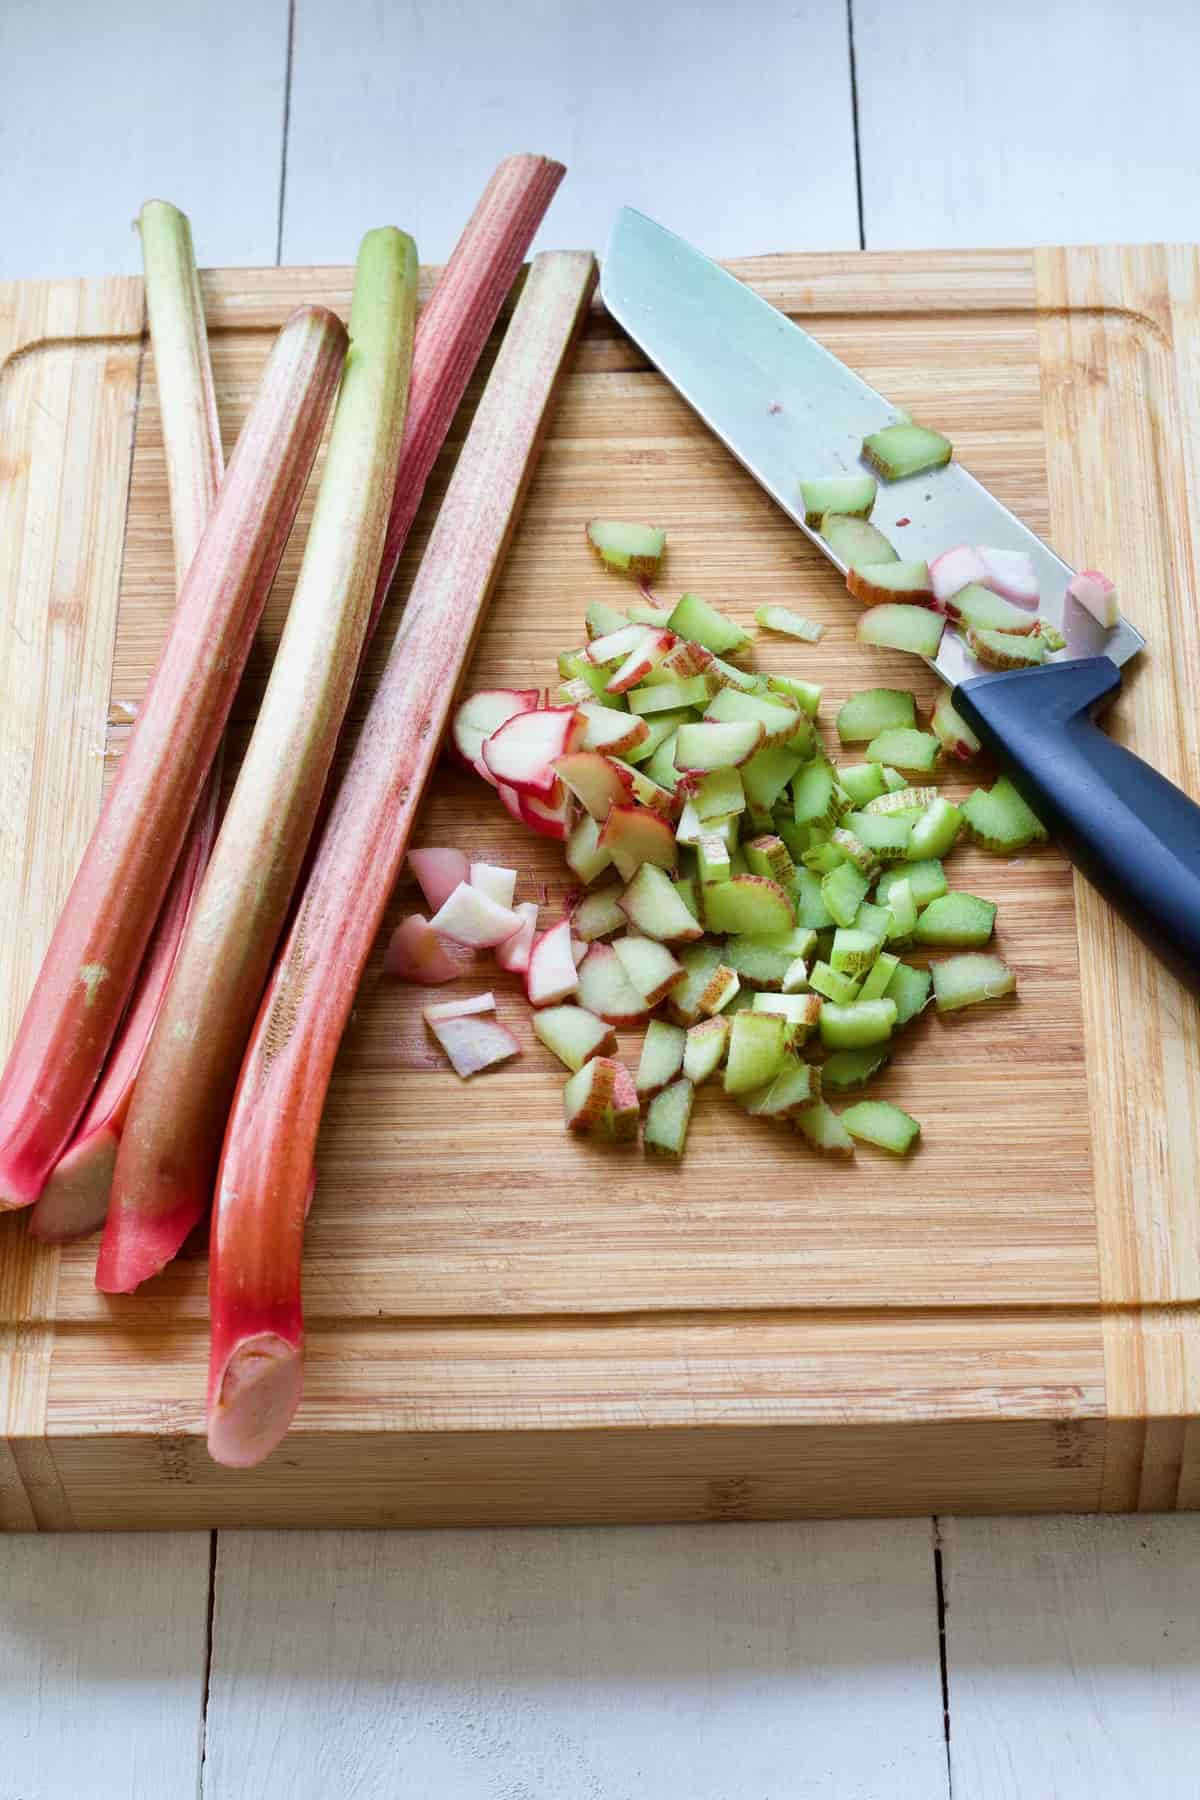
(168, 1157)
(100, 941)
(75, 1198)
(255, 1370)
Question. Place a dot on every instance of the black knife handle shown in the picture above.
(1134, 835)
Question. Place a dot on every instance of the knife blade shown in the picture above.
(789, 410)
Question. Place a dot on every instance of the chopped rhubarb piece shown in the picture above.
(980, 608)
(416, 953)
(551, 815)
(873, 583)
(513, 954)
(498, 884)
(469, 917)
(653, 906)
(912, 751)
(956, 918)
(824, 1131)
(851, 496)
(901, 450)
(438, 873)
(634, 549)
(790, 624)
(694, 618)
(597, 915)
(1000, 821)
(854, 542)
(969, 980)
(613, 733)
(1005, 650)
(615, 647)
(483, 713)
(866, 714)
(668, 1118)
(1097, 594)
(900, 627)
(459, 1009)
(717, 745)
(598, 782)
(573, 1034)
(474, 1043)
(1011, 573)
(704, 1050)
(585, 857)
(649, 967)
(552, 974)
(633, 836)
(879, 1122)
(522, 753)
(601, 1101)
(954, 570)
(661, 1059)
(952, 731)
(605, 989)
(654, 647)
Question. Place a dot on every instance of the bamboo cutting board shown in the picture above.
(509, 1325)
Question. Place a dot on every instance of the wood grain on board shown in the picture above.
(508, 1324)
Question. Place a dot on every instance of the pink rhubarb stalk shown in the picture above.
(98, 946)
(454, 326)
(168, 1157)
(267, 1164)
(75, 1198)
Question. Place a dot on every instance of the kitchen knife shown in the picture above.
(789, 410)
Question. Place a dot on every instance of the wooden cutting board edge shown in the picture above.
(1119, 339)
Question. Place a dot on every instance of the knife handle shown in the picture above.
(1134, 835)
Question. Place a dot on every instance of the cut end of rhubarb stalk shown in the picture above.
(75, 1199)
(255, 1396)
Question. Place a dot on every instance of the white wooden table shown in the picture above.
(991, 1660)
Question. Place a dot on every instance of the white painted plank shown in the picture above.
(783, 1662)
(106, 106)
(1025, 123)
(102, 1645)
(1074, 1657)
(733, 128)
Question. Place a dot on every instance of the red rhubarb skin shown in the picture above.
(90, 969)
(270, 1142)
(75, 1198)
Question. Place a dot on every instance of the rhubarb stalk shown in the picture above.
(267, 1163)
(455, 325)
(169, 1150)
(100, 941)
(75, 1198)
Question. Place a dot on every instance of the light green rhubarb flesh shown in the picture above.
(843, 890)
(908, 990)
(957, 919)
(901, 450)
(926, 877)
(855, 541)
(895, 626)
(661, 1058)
(823, 1130)
(848, 496)
(695, 619)
(704, 1050)
(755, 1054)
(634, 549)
(880, 1123)
(857, 1026)
(790, 624)
(863, 716)
(1000, 821)
(969, 980)
(846, 1069)
(913, 751)
(667, 1119)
